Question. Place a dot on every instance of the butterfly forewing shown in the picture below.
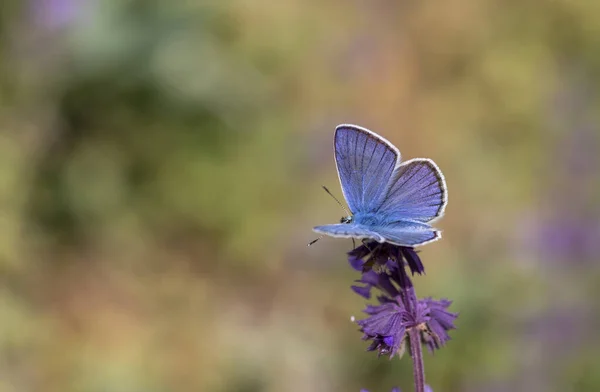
(365, 164)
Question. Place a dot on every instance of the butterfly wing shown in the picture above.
(348, 230)
(365, 164)
(403, 233)
(407, 233)
(417, 192)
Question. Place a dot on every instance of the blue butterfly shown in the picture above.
(389, 201)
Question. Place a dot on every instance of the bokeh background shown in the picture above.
(161, 165)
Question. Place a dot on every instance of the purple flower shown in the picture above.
(383, 268)
(388, 324)
(399, 310)
(376, 256)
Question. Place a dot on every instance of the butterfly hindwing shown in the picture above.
(418, 192)
(407, 233)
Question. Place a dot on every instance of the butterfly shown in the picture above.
(389, 201)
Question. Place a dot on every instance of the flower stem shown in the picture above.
(416, 354)
(409, 297)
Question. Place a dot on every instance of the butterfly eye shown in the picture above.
(346, 219)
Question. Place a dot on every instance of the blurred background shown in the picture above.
(161, 167)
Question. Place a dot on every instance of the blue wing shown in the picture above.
(408, 233)
(418, 192)
(365, 163)
(348, 230)
(403, 233)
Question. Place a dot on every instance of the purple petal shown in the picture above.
(438, 312)
(399, 275)
(385, 326)
(389, 340)
(413, 260)
(370, 277)
(362, 291)
(355, 262)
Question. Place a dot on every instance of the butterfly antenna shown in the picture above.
(335, 198)
(340, 204)
(313, 241)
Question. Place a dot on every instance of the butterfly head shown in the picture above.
(347, 219)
